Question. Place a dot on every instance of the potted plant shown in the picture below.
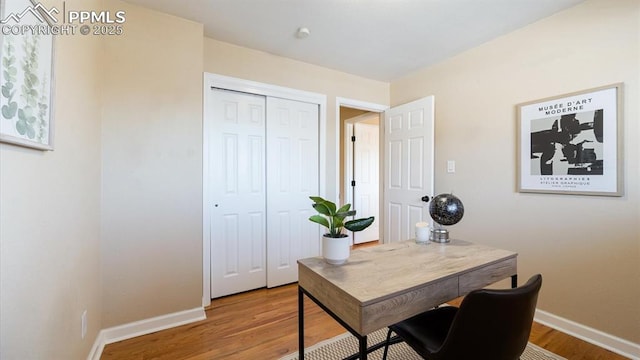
(335, 244)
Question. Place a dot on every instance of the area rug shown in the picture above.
(344, 345)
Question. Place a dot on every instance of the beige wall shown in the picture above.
(152, 167)
(231, 60)
(50, 218)
(587, 248)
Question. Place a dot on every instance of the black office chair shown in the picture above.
(490, 324)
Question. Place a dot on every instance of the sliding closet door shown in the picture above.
(292, 176)
(238, 212)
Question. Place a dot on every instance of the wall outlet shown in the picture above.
(83, 323)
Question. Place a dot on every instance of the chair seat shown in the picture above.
(430, 338)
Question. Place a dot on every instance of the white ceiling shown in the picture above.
(376, 39)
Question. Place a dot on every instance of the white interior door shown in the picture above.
(292, 176)
(238, 211)
(409, 167)
(366, 192)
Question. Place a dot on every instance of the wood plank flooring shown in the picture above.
(262, 324)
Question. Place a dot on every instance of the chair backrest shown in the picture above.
(493, 324)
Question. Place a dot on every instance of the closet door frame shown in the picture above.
(252, 87)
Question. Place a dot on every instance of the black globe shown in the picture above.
(446, 209)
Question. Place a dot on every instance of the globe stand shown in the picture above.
(439, 236)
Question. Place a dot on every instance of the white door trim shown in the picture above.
(362, 105)
(229, 83)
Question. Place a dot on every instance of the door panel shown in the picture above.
(292, 176)
(416, 163)
(238, 213)
(409, 167)
(394, 220)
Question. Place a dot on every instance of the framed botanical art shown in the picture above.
(572, 143)
(26, 77)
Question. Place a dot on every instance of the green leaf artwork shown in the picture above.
(25, 88)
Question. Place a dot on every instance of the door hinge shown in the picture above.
(353, 183)
(353, 138)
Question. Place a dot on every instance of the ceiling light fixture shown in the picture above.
(302, 33)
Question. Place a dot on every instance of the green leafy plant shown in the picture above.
(333, 218)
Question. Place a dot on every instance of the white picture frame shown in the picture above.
(572, 143)
(26, 76)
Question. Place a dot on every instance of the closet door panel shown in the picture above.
(292, 176)
(238, 212)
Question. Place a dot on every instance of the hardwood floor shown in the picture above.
(262, 324)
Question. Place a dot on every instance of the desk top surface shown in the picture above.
(381, 271)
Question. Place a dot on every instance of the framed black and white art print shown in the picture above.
(572, 143)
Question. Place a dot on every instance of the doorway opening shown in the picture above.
(361, 169)
(406, 164)
(359, 164)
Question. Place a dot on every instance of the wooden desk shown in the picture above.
(384, 284)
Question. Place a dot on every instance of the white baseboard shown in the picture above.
(607, 341)
(143, 327)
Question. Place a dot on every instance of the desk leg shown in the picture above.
(363, 347)
(300, 324)
(514, 281)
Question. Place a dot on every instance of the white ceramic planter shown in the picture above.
(336, 250)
